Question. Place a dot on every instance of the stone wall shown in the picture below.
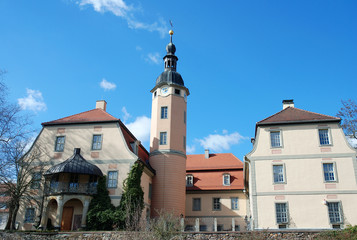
(148, 235)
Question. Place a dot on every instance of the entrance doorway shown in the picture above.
(66, 223)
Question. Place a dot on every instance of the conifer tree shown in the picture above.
(100, 211)
(128, 213)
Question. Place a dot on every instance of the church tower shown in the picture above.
(168, 138)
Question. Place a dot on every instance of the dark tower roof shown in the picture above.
(75, 164)
(170, 76)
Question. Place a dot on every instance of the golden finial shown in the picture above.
(171, 32)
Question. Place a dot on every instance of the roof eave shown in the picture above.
(78, 122)
(298, 122)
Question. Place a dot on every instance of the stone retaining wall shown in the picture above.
(148, 235)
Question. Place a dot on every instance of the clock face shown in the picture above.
(164, 91)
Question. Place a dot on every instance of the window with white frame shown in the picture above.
(29, 215)
(196, 204)
(189, 180)
(112, 179)
(226, 179)
(59, 145)
(163, 112)
(163, 138)
(278, 172)
(281, 213)
(216, 204)
(97, 142)
(324, 137)
(329, 172)
(234, 203)
(275, 139)
(334, 212)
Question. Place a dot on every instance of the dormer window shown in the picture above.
(134, 147)
(226, 179)
(189, 180)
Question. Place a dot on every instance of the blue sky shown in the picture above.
(239, 59)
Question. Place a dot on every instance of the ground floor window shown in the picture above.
(29, 215)
(334, 212)
(281, 213)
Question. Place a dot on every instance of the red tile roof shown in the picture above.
(95, 115)
(296, 115)
(208, 173)
(215, 161)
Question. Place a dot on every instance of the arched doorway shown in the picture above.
(51, 214)
(72, 215)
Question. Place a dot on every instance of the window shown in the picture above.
(281, 213)
(334, 212)
(92, 184)
(155, 94)
(59, 146)
(196, 204)
(36, 179)
(73, 183)
(237, 228)
(184, 117)
(184, 142)
(112, 179)
(216, 204)
(203, 228)
(134, 147)
(97, 142)
(163, 137)
(150, 190)
(329, 172)
(30, 215)
(189, 180)
(177, 91)
(220, 227)
(163, 112)
(275, 139)
(2, 205)
(54, 183)
(234, 203)
(278, 172)
(226, 179)
(324, 137)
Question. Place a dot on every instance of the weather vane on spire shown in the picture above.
(171, 32)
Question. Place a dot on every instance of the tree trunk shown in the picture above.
(14, 214)
(9, 220)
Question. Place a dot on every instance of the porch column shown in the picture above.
(197, 225)
(182, 223)
(84, 214)
(233, 224)
(44, 215)
(59, 213)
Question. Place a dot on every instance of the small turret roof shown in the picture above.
(75, 164)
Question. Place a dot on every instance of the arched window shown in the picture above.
(189, 180)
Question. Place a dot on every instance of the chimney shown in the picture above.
(77, 151)
(207, 153)
(101, 104)
(288, 103)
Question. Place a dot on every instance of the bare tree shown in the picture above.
(16, 168)
(348, 113)
(21, 177)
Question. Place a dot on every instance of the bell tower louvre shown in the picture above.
(168, 138)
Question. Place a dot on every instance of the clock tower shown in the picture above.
(168, 138)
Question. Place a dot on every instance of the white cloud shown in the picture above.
(107, 85)
(121, 9)
(190, 149)
(220, 142)
(140, 128)
(33, 101)
(126, 114)
(153, 57)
